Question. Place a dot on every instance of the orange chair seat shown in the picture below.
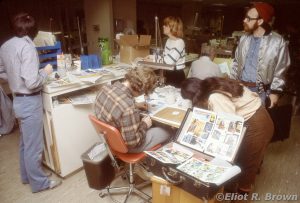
(133, 157)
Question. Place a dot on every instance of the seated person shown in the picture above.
(204, 67)
(226, 95)
(115, 105)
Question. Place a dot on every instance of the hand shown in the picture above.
(148, 121)
(48, 69)
(142, 106)
(273, 100)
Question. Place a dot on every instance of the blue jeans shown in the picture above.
(154, 136)
(29, 111)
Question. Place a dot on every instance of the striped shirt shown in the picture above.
(174, 53)
(115, 105)
(20, 61)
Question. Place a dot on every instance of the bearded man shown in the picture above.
(262, 56)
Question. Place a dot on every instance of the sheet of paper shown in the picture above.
(224, 68)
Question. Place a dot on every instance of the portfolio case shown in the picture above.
(200, 159)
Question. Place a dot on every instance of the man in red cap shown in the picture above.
(262, 56)
(260, 63)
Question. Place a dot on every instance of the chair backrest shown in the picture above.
(112, 135)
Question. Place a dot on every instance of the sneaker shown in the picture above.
(142, 172)
(54, 183)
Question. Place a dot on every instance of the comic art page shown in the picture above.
(218, 135)
(208, 172)
(197, 128)
(171, 154)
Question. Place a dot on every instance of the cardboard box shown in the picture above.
(133, 46)
(164, 192)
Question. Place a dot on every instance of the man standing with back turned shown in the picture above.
(262, 56)
(19, 63)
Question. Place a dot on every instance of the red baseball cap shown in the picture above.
(265, 11)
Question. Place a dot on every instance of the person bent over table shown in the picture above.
(230, 96)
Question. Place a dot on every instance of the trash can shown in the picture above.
(98, 166)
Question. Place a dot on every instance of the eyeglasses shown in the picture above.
(248, 18)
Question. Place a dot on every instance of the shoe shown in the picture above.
(54, 183)
(47, 174)
(142, 172)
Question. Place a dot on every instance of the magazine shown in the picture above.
(218, 135)
(171, 154)
(208, 171)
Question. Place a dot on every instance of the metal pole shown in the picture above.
(156, 31)
(79, 32)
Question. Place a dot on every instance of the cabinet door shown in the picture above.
(74, 134)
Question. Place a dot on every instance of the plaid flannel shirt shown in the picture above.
(115, 105)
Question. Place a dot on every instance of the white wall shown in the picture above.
(98, 13)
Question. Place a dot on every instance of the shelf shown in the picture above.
(47, 54)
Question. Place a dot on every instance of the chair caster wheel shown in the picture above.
(102, 194)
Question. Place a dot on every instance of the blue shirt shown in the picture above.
(19, 60)
(251, 62)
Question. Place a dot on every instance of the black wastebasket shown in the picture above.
(99, 171)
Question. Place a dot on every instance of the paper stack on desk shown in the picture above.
(93, 75)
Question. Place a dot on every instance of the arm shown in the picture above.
(218, 102)
(239, 57)
(280, 68)
(3, 74)
(234, 68)
(132, 128)
(278, 82)
(30, 68)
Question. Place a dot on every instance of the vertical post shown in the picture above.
(79, 34)
(156, 31)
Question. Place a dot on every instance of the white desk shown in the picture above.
(68, 131)
(166, 111)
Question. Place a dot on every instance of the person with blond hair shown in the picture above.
(174, 51)
(115, 105)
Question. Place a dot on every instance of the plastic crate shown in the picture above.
(90, 62)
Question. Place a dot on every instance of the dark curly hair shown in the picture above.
(24, 24)
(142, 80)
(198, 91)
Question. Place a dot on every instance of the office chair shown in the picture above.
(118, 148)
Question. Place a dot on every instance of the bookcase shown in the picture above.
(47, 54)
